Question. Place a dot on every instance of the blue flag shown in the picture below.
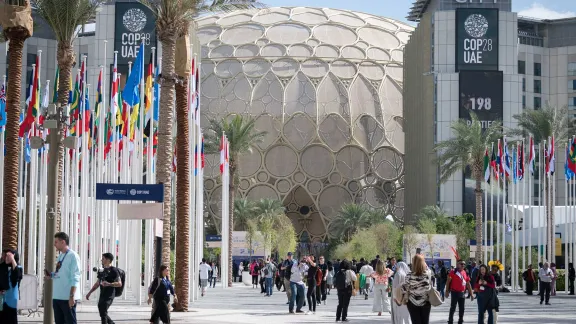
(131, 94)
(2, 106)
(27, 150)
(156, 103)
(567, 172)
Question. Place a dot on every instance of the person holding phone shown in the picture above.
(297, 286)
(10, 277)
(66, 280)
(545, 274)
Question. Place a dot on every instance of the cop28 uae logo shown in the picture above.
(134, 20)
(475, 25)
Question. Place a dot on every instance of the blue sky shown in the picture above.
(398, 9)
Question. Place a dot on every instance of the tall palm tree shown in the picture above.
(64, 17)
(242, 136)
(467, 148)
(542, 124)
(172, 21)
(351, 218)
(16, 34)
(244, 210)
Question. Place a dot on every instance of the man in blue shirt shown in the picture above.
(66, 281)
(10, 277)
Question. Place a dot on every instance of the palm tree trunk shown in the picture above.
(231, 213)
(478, 193)
(182, 196)
(17, 36)
(165, 123)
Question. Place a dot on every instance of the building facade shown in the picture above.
(467, 52)
(326, 86)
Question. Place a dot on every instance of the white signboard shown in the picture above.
(241, 248)
(441, 248)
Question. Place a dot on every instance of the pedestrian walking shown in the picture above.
(311, 282)
(400, 312)
(571, 277)
(344, 281)
(254, 270)
(545, 275)
(321, 291)
(287, 272)
(205, 269)
(442, 278)
(417, 285)
(297, 286)
(214, 274)
(456, 286)
(108, 280)
(381, 288)
(269, 273)
(529, 278)
(66, 280)
(485, 287)
(329, 278)
(10, 277)
(160, 291)
(367, 271)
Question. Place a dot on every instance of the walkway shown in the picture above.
(242, 304)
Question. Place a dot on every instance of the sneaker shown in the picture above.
(337, 320)
(309, 313)
(290, 312)
(548, 304)
(299, 312)
(288, 303)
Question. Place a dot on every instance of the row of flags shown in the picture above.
(511, 165)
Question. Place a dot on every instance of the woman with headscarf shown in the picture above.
(399, 311)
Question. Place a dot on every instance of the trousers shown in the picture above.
(381, 301)
(63, 313)
(160, 311)
(544, 291)
(457, 299)
(344, 296)
(419, 314)
(103, 304)
(297, 296)
(311, 295)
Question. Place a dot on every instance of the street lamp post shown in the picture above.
(56, 116)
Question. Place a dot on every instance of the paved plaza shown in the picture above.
(242, 304)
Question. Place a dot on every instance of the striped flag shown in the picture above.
(532, 156)
(552, 156)
(493, 163)
(3, 105)
(222, 155)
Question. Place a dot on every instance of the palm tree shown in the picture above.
(244, 210)
(467, 148)
(64, 17)
(242, 136)
(351, 218)
(269, 212)
(542, 124)
(16, 33)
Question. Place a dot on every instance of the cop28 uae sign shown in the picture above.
(134, 23)
(481, 92)
(476, 39)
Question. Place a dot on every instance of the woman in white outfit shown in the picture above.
(381, 300)
(400, 312)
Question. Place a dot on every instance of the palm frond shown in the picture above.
(226, 6)
(64, 16)
(466, 147)
(543, 123)
(240, 131)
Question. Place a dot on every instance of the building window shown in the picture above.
(537, 86)
(571, 85)
(30, 59)
(537, 103)
(523, 84)
(521, 67)
(523, 101)
(572, 103)
(572, 68)
(538, 69)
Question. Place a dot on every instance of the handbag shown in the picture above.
(434, 296)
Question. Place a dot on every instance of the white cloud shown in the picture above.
(538, 10)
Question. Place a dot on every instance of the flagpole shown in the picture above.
(492, 212)
(513, 206)
(498, 202)
(485, 236)
(530, 200)
(540, 204)
(505, 210)
(524, 209)
(2, 130)
(566, 230)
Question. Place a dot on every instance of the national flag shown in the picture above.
(222, 158)
(174, 160)
(571, 162)
(515, 164)
(493, 163)
(521, 161)
(3, 105)
(202, 153)
(486, 166)
(532, 156)
(500, 159)
(27, 150)
(33, 103)
(148, 97)
(131, 94)
(507, 170)
(114, 107)
(196, 165)
(98, 100)
(567, 170)
(552, 156)
(55, 87)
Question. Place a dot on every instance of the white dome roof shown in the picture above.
(302, 32)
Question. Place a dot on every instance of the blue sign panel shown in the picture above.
(213, 238)
(117, 191)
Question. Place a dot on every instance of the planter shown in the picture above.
(246, 278)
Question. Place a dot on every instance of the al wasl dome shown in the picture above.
(326, 86)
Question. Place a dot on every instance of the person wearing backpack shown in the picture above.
(10, 277)
(108, 280)
(344, 282)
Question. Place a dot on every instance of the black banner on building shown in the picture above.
(481, 92)
(134, 23)
(477, 39)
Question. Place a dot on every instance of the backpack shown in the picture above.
(119, 290)
(319, 276)
(340, 280)
(443, 274)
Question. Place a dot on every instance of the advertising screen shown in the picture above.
(134, 23)
(476, 39)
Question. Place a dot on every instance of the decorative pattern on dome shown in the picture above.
(326, 86)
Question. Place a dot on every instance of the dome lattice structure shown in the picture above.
(326, 86)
